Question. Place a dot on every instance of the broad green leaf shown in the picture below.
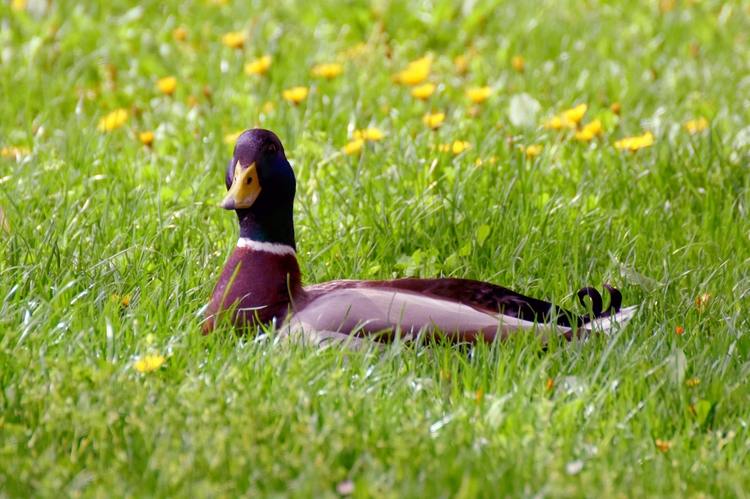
(702, 410)
(542, 199)
(167, 193)
(416, 257)
(482, 233)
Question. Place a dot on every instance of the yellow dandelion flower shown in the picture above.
(233, 39)
(553, 123)
(575, 114)
(371, 133)
(422, 62)
(295, 95)
(113, 120)
(423, 91)
(16, 152)
(589, 131)
(663, 445)
(696, 126)
(17, 5)
(413, 76)
(149, 363)
(479, 94)
(635, 143)
(415, 72)
(167, 85)
(517, 62)
(374, 134)
(433, 120)
(444, 147)
(146, 138)
(354, 147)
(269, 106)
(328, 70)
(460, 146)
(461, 64)
(693, 382)
(532, 151)
(231, 138)
(124, 300)
(179, 34)
(558, 123)
(259, 66)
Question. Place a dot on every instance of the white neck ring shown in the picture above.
(275, 248)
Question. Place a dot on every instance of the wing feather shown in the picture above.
(482, 296)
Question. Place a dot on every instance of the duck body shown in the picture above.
(261, 282)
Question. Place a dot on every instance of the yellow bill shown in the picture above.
(245, 188)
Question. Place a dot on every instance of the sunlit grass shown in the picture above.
(542, 145)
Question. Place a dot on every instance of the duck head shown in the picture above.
(261, 188)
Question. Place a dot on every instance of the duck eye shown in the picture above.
(272, 149)
(249, 180)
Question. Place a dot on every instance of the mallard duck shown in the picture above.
(261, 282)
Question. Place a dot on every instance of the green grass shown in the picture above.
(96, 216)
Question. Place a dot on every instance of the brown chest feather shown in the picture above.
(255, 287)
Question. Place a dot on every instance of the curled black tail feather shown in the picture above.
(597, 311)
(615, 300)
(594, 296)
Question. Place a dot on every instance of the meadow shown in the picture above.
(541, 145)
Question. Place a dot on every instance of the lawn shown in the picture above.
(473, 139)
